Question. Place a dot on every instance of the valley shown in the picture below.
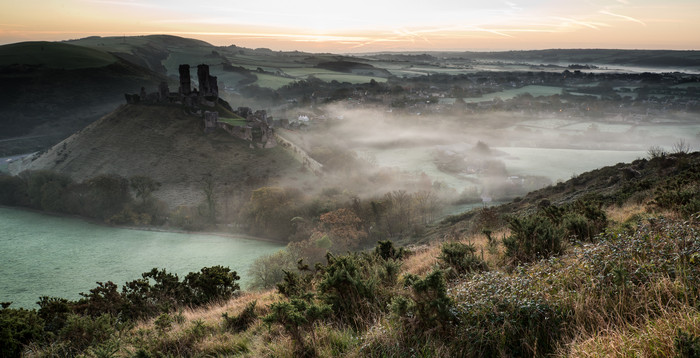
(476, 203)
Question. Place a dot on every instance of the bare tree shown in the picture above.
(656, 151)
(681, 147)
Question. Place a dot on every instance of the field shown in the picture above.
(272, 81)
(535, 91)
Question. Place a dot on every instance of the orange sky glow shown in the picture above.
(367, 26)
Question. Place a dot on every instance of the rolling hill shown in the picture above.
(50, 90)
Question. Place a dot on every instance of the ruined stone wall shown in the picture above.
(208, 86)
(185, 83)
(245, 133)
(211, 120)
(301, 155)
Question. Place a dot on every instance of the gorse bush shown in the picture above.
(18, 327)
(461, 258)
(506, 315)
(211, 283)
(687, 345)
(532, 238)
(428, 309)
(242, 321)
(298, 317)
(349, 288)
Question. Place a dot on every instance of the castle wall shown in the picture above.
(301, 155)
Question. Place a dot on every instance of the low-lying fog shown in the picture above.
(496, 156)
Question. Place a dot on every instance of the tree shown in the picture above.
(343, 227)
(107, 195)
(143, 186)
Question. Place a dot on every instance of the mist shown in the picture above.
(470, 157)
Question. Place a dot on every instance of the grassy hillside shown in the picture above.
(169, 146)
(51, 90)
(53, 55)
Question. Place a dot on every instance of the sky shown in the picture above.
(367, 25)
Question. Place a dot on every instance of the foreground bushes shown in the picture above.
(628, 280)
(71, 327)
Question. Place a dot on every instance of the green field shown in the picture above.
(535, 91)
(346, 77)
(272, 81)
(54, 55)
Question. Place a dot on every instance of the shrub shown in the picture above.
(348, 288)
(687, 345)
(461, 258)
(54, 312)
(81, 332)
(386, 250)
(18, 327)
(298, 317)
(163, 323)
(242, 321)
(428, 309)
(211, 283)
(533, 237)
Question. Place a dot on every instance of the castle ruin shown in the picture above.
(256, 127)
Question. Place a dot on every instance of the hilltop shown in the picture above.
(50, 90)
(168, 145)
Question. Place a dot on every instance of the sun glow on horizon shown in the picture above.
(367, 25)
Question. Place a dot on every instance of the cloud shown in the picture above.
(628, 18)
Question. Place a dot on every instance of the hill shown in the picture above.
(55, 55)
(51, 90)
(169, 146)
(670, 182)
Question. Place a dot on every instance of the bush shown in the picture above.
(532, 238)
(385, 250)
(298, 317)
(211, 283)
(687, 345)
(348, 287)
(242, 321)
(81, 332)
(461, 258)
(18, 327)
(54, 312)
(428, 310)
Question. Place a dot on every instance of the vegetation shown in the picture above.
(567, 279)
(105, 197)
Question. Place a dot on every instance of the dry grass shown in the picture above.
(233, 306)
(620, 214)
(652, 338)
(212, 313)
(423, 259)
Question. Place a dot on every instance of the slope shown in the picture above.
(50, 90)
(168, 145)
